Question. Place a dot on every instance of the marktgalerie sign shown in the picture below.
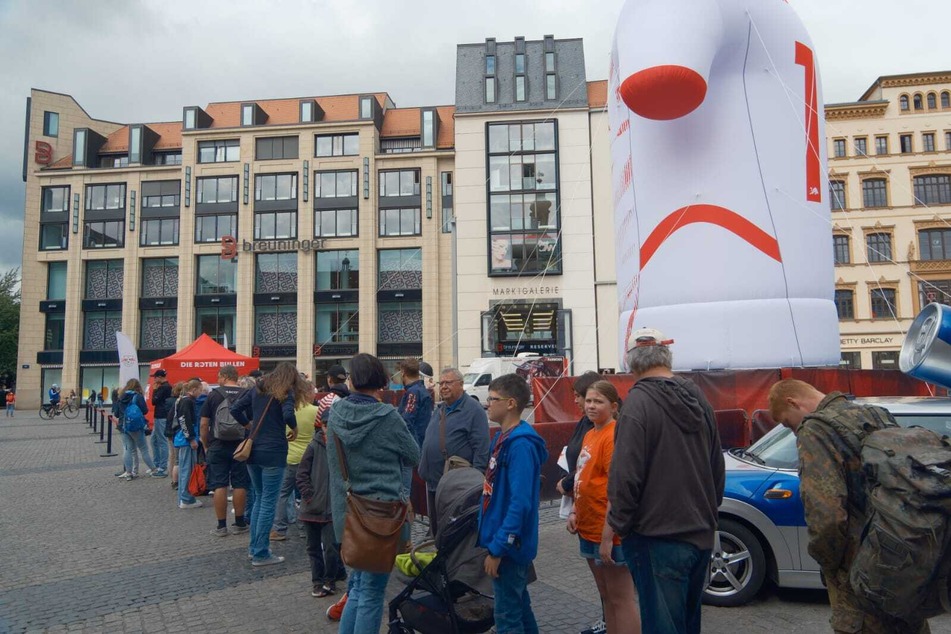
(229, 246)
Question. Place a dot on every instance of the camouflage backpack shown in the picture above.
(902, 563)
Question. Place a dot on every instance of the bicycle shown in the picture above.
(69, 409)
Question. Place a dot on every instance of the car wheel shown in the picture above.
(737, 566)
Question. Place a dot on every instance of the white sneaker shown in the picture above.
(190, 505)
(123, 474)
(149, 472)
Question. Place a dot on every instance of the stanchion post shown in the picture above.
(108, 453)
(102, 430)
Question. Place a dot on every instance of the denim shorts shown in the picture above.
(223, 469)
(589, 550)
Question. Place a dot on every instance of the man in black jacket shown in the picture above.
(665, 485)
(161, 391)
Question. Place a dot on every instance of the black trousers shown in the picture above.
(325, 564)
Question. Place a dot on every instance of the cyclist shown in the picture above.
(54, 396)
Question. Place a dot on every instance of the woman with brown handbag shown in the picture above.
(368, 443)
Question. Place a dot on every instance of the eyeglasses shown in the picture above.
(492, 399)
(448, 383)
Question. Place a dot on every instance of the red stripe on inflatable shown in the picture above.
(714, 215)
(664, 92)
(806, 59)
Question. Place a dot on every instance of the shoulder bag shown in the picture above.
(371, 533)
(243, 452)
(449, 462)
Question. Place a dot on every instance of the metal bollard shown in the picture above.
(102, 430)
(108, 453)
(89, 413)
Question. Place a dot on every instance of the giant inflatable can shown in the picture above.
(720, 190)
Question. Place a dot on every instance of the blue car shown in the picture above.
(762, 531)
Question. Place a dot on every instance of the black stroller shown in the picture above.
(452, 594)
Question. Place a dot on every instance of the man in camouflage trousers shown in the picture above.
(832, 486)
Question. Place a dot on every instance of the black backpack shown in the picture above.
(225, 426)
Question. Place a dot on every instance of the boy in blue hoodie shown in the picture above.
(508, 519)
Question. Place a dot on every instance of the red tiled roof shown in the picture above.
(446, 137)
(285, 111)
(405, 122)
(170, 137)
(64, 163)
(598, 93)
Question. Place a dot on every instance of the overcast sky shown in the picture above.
(141, 61)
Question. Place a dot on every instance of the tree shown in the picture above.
(9, 325)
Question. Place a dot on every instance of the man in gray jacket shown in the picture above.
(664, 487)
(458, 428)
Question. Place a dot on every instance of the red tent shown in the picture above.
(201, 359)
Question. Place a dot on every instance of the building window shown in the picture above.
(881, 145)
(167, 158)
(520, 88)
(337, 145)
(549, 62)
(838, 148)
(861, 146)
(879, 247)
(883, 303)
(222, 151)
(429, 129)
(927, 142)
(275, 325)
(845, 303)
(54, 236)
(335, 223)
(903, 101)
(337, 323)
(213, 228)
(279, 147)
(275, 187)
(551, 87)
(101, 197)
(933, 190)
(335, 184)
(519, 63)
(56, 280)
(118, 160)
(918, 103)
(930, 291)
(307, 112)
(400, 222)
(51, 124)
(221, 189)
(851, 361)
(490, 89)
(366, 107)
(875, 192)
(158, 232)
(104, 279)
(216, 276)
(217, 323)
(99, 330)
(947, 141)
(247, 114)
(275, 225)
(400, 322)
(190, 119)
(932, 101)
(401, 145)
(840, 246)
(447, 217)
(161, 195)
(158, 329)
(338, 270)
(275, 273)
(400, 269)
(934, 244)
(160, 277)
(837, 195)
(103, 234)
(524, 218)
(946, 99)
(55, 331)
(885, 359)
(490, 64)
(906, 144)
(399, 183)
(54, 222)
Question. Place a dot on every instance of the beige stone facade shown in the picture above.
(890, 156)
(56, 330)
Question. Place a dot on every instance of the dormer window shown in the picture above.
(429, 129)
(490, 64)
(135, 144)
(79, 147)
(307, 112)
(247, 114)
(190, 118)
(366, 107)
(520, 63)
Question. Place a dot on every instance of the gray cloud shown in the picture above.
(139, 61)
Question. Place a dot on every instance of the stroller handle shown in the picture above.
(417, 547)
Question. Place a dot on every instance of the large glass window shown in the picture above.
(214, 228)
(50, 124)
(845, 303)
(217, 323)
(55, 199)
(400, 222)
(161, 195)
(906, 143)
(927, 142)
(275, 273)
(275, 325)
(337, 323)
(840, 247)
(158, 232)
(400, 269)
(883, 303)
(275, 225)
(158, 329)
(879, 247)
(336, 145)
(933, 190)
(54, 225)
(861, 146)
(934, 291)
(54, 236)
(935, 244)
(341, 184)
(335, 223)
(216, 276)
(400, 322)
(885, 359)
(103, 234)
(221, 151)
(99, 197)
(881, 145)
(279, 147)
(275, 187)
(160, 277)
(524, 218)
(399, 183)
(99, 330)
(837, 194)
(875, 192)
(104, 279)
(222, 189)
(56, 280)
(55, 332)
(338, 270)
(838, 148)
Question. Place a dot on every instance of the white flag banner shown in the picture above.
(128, 359)
(225, 342)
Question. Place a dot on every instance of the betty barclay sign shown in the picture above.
(229, 246)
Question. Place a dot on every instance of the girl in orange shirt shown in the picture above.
(599, 545)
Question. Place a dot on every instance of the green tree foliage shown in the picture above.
(9, 325)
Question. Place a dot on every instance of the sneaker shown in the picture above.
(597, 628)
(320, 591)
(127, 477)
(237, 530)
(159, 473)
(220, 532)
(270, 561)
(135, 474)
(174, 484)
(190, 505)
(149, 472)
(336, 610)
(278, 537)
(122, 474)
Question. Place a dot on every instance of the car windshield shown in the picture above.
(938, 423)
(470, 378)
(777, 449)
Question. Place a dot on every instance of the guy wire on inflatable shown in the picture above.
(720, 187)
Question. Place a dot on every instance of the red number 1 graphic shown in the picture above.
(805, 58)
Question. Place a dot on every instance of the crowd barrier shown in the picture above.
(96, 417)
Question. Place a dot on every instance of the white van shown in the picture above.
(480, 373)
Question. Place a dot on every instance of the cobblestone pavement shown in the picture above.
(85, 552)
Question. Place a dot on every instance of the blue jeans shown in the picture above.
(513, 606)
(364, 610)
(670, 576)
(286, 513)
(266, 484)
(132, 442)
(186, 460)
(159, 445)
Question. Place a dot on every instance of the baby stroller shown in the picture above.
(452, 594)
